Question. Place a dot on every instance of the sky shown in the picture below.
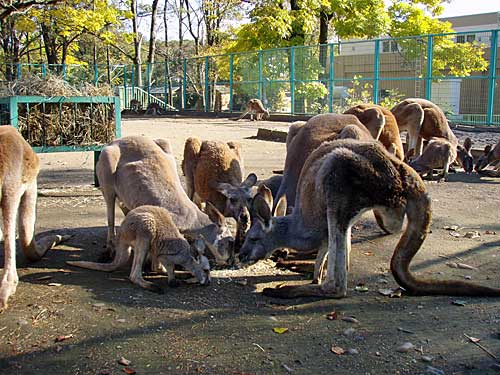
(464, 7)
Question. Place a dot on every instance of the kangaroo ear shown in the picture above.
(250, 181)
(262, 210)
(266, 195)
(281, 206)
(214, 214)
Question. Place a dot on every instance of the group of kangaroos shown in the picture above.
(337, 167)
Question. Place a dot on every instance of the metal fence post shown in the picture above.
(376, 71)
(125, 102)
(44, 70)
(207, 86)
(331, 74)
(492, 76)
(292, 80)
(231, 62)
(184, 84)
(260, 75)
(64, 72)
(96, 75)
(148, 81)
(18, 66)
(428, 78)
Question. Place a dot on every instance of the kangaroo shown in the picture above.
(465, 157)
(135, 106)
(150, 231)
(255, 106)
(386, 132)
(491, 155)
(154, 109)
(341, 180)
(138, 171)
(439, 153)
(214, 173)
(19, 168)
(305, 138)
(422, 119)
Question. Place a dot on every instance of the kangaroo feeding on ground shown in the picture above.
(341, 180)
(387, 132)
(422, 119)
(439, 153)
(214, 173)
(255, 106)
(135, 106)
(154, 109)
(139, 171)
(19, 168)
(491, 155)
(150, 232)
(464, 155)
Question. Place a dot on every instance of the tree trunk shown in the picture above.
(323, 37)
(137, 60)
(152, 39)
(169, 93)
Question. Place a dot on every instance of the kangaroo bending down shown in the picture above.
(19, 168)
(139, 171)
(387, 132)
(438, 154)
(150, 231)
(491, 155)
(305, 138)
(214, 173)
(422, 119)
(464, 156)
(255, 106)
(341, 180)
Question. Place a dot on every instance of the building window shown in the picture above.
(469, 38)
(389, 46)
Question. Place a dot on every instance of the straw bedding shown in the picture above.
(58, 124)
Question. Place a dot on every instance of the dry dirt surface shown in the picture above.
(65, 320)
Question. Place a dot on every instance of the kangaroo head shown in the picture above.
(221, 245)
(485, 159)
(260, 240)
(238, 199)
(371, 117)
(200, 267)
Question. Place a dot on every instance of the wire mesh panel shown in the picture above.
(218, 84)
(195, 84)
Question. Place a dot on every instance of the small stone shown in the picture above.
(349, 331)
(378, 354)
(467, 277)
(405, 347)
(427, 358)
(352, 351)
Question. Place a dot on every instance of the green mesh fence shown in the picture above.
(310, 79)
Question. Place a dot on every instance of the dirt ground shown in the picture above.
(227, 327)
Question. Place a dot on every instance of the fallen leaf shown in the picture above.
(350, 319)
(124, 361)
(332, 316)
(473, 339)
(280, 330)
(368, 253)
(459, 302)
(63, 337)
(44, 278)
(385, 292)
(54, 284)
(128, 370)
(465, 266)
(361, 288)
(490, 232)
(396, 293)
(472, 234)
(455, 234)
(337, 350)
(451, 227)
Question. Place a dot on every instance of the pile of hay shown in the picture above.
(62, 124)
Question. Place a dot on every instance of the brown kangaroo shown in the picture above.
(150, 232)
(341, 180)
(387, 133)
(491, 155)
(255, 106)
(19, 168)
(422, 119)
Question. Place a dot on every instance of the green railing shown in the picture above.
(312, 79)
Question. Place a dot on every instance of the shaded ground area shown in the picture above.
(227, 327)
